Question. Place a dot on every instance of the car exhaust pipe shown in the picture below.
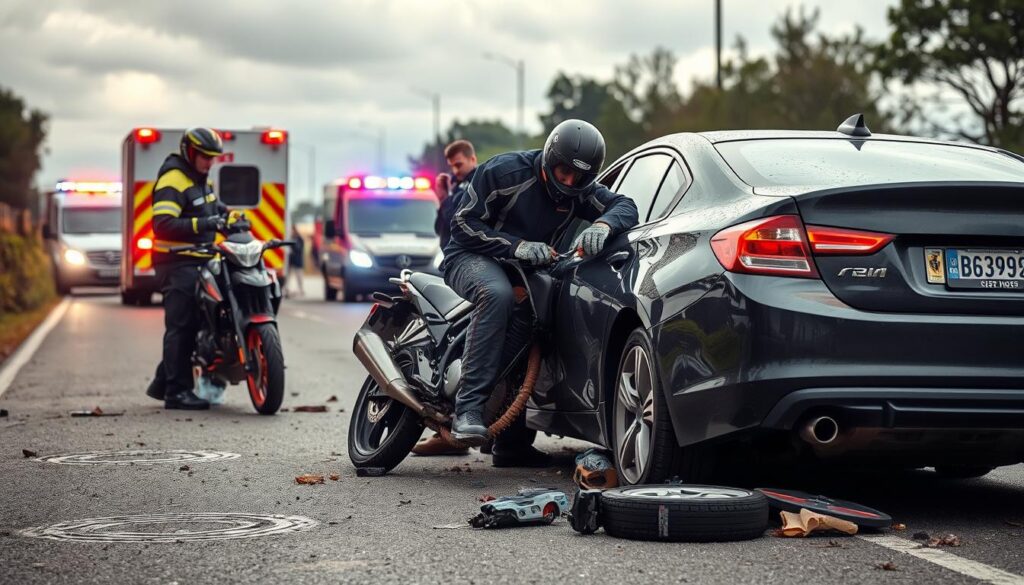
(373, 354)
(821, 430)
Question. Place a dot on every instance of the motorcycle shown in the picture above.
(411, 345)
(239, 298)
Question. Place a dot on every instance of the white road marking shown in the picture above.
(974, 569)
(29, 347)
(304, 315)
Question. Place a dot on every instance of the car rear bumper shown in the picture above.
(770, 353)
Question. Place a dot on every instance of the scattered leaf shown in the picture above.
(888, 566)
(899, 527)
(316, 408)
(28, 453)
(309, 479)
(948, 540)
(404, 502)
(332, 399)
(485, 498)
(335, 477)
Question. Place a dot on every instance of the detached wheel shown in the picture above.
(266, 381)
(382, 431)
(684, 513)
(646, 450)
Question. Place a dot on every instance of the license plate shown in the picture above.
(984, 269)
(109, 272)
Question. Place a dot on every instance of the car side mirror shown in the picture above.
(237, 185)
(329, 229)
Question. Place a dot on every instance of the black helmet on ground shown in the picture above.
(579, 147)
(204, 141)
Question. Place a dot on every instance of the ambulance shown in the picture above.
(143, 152)
(82, 232)
(373, 228)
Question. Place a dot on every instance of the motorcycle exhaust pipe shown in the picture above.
(821, 430)
(373, 354)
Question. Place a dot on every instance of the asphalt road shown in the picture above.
(378, 529)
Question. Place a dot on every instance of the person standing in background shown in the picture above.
(461, 158)
(296, 264)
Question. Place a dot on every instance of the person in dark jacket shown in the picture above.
(518, 205)
(461, 158)
(296, 263)
(185, 212)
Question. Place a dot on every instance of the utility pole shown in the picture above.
(718, 43)
(520, 68)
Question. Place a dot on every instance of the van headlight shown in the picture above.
(360, 259)
(74, 257)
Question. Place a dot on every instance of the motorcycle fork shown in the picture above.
(236, 322)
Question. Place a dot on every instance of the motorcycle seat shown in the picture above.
(437, 293)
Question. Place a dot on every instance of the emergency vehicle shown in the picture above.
(372, 229)
(142, 153)
(82, 231)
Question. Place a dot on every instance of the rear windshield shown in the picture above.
(370, 217)
(92, 220)
(840, 162)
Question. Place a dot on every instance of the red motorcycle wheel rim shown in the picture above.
(257, 381)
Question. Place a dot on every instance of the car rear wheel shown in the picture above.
(646, 450)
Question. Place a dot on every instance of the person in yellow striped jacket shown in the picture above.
(185, 212)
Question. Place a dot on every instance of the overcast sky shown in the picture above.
(331, 72)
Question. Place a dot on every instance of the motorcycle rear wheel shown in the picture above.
(266, 381)
(382, 431)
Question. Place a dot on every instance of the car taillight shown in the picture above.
(147, 135)
(274, 137)
(772, 245)
(830, 240)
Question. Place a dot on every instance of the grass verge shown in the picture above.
(15, 327)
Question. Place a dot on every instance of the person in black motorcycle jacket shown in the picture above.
(518, 205)
(185, 212)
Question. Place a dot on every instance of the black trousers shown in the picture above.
(181, 324)
(495, 336)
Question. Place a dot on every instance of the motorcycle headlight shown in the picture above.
(360, 258)
(74, 257)
(247, 255)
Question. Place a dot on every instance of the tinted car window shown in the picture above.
(642, 180)
(95, 220)
(386, 216)
(838, 162)
(673, 182)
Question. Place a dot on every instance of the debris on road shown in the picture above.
(309, 479)
(529, 507)
(26, 453)
(96, 411)
(3, 412)
(887, 566)
(485, 498)
(184, 468)
(332, 399)
(795, 502)
(335, 477)
(948, 540)
(805, 522)
(316, 408)
(404, 503)
(1013, 524)
(899, 527)
(921, 536)
(594, 470)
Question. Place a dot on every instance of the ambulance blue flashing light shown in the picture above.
(99, 187)
(375, 183)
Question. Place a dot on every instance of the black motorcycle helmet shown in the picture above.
(579, 146)
(202, 141)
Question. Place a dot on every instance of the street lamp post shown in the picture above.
(435, 99)
(718, 43)
(520, 68)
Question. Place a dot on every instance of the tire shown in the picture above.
(962, 471)
(128, 298)
(664, 458)
(676, 513)
(348, 295)
(330, 294)
(403, 427)
(266, 384)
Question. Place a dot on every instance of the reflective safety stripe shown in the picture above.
(211, 198)
(195, 225)
(166, 245)
(166, 208)
(174, 179)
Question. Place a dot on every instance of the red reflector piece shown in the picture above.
(147, 135)
(830, 240)
(274, 137)
(772, 245)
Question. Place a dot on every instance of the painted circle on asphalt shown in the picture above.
(139, 457)
(171, 527)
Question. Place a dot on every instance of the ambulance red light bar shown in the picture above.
(274, 137)
(147, 135)
(226, 135)
(375, 183)
(104, 187)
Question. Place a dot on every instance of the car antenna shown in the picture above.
(854, 126)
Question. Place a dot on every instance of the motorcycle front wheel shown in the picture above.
(382, 430)
(266, 380)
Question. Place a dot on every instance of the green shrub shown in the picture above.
(25, 278)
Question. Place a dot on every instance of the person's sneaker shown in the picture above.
(186, 400)
(526, 456)
(469, 428)
(156, 390)
(435, 446)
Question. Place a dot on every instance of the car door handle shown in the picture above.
(618, 259)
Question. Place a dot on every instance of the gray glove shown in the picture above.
(592, 239)
(535, 253)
